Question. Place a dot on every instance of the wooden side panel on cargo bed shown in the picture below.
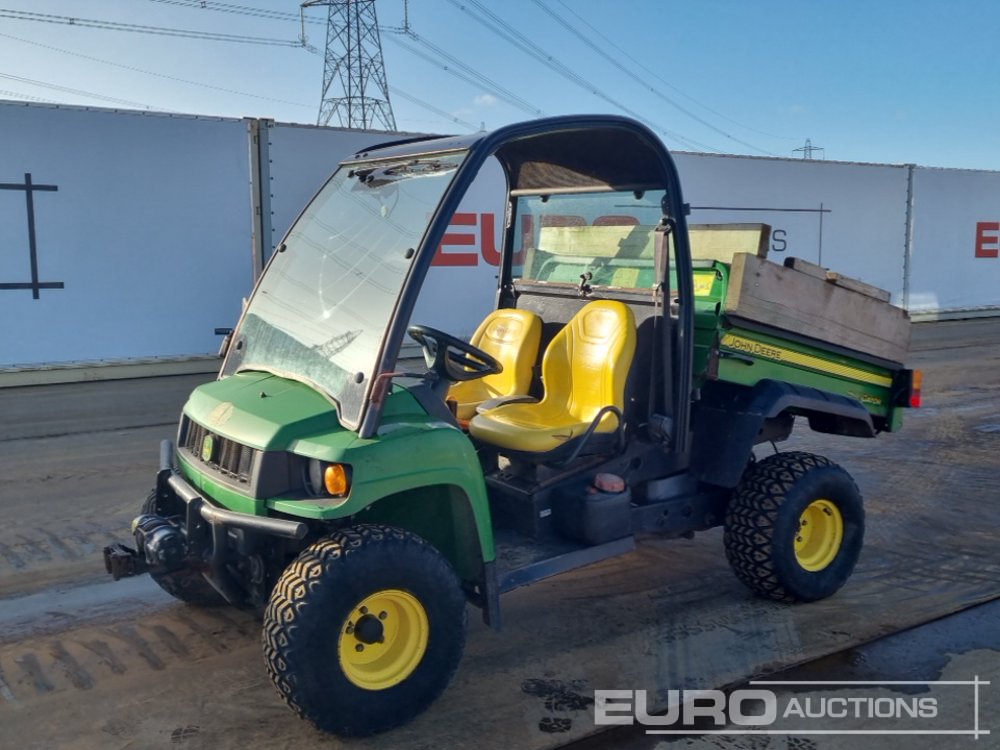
(793, 300)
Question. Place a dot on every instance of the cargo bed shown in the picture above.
(797, 322)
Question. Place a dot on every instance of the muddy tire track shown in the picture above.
(91, 656)
(24, 548)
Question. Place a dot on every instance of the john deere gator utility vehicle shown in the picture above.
(630, 367)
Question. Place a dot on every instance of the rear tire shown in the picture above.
(364, 630)
(795, 527)
(185, 584)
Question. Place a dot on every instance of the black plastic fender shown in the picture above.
(728, 420)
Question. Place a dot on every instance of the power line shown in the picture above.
(431, 108)
(489, 83)
(196, 4)
(471, 76)
(641, 81)
(475, 78)
(501, 28)
(665, 82)
(462, 71)
(19, 95)
(292, 17)
(244, 10)
(91, 23)
(78, 92)
(421, 103)
(466, 73)
(274, 15)
(153, 72)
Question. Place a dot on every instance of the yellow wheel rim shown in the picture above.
(819, 536)
(383, 639)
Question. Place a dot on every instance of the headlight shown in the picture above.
(324, 478)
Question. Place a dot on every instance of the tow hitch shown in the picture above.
(121, 561)
(160, 543)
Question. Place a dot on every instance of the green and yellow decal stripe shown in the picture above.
(783, 355)
(703, 283)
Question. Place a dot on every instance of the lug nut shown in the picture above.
(382, 615)
(360, 647)
(363, 610)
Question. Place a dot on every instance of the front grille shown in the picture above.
(226, 456)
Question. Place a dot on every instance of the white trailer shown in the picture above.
(127, 238)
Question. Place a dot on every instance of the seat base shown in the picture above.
(533, 428)
(468, 395)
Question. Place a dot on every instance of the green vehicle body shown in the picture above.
(424, 472)
(417, 473)
(423, 475)
(313, 459)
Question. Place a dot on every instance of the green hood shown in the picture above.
(263, 411)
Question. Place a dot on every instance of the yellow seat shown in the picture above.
(511, 337)
(583, 370)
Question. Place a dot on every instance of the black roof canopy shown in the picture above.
(558, 154)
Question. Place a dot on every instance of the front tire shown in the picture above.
(795, 527)
(364, 630)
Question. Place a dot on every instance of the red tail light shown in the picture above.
(916, 381)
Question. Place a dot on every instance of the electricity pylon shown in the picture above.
(809, 149)
(355, 92)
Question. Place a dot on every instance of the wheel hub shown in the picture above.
(383, 639)
(819, 535)
(368, 629)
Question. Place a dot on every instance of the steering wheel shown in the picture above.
(450, 357)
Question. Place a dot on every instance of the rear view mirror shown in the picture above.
(227, 334)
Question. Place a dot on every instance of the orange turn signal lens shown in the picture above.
(336, 480)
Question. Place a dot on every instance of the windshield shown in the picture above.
(321, 309)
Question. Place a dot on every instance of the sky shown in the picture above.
(884, 81)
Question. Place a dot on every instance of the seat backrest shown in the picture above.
(511, 336)
(587, 363)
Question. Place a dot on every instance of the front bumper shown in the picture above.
(205, 528)
(200, 510)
